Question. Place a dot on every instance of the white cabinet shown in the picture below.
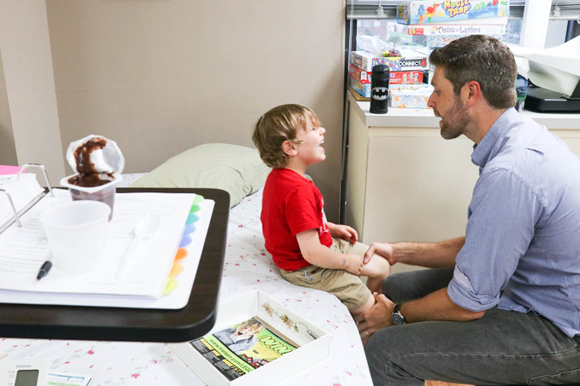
(406, 183)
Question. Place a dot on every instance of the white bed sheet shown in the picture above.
(247, 267)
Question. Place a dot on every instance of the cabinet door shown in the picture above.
(418, 185)
(356, 177)
(571, 138)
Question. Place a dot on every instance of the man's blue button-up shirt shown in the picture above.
(522, 242)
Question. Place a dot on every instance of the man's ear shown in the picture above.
(472, 92)
(289, 148)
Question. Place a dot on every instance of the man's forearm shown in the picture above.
(431, 255)
(436, 306)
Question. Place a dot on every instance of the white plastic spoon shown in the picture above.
(145, 229)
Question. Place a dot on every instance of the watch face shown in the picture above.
(398, 319)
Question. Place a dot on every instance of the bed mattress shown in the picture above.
(247, 266)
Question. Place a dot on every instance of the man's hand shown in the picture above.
(352, 263)
(383, 249)
(376, 318)
(343, 232)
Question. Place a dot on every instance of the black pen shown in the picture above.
(44, 270)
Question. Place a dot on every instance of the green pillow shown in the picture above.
(235, 169)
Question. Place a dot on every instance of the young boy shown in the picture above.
(309, 251)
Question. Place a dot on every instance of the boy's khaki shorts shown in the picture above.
(346, 286)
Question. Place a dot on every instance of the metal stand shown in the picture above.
(16, 216)
(43, 169)
(13, 208)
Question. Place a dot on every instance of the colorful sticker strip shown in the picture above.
(186, 239)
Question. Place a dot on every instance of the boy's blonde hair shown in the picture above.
(280, 124)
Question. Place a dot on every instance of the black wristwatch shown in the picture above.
(398, 318)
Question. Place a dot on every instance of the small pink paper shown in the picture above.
(8, 169)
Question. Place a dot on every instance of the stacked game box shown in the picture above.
(410, 96)
(405, 70)
(421, 12)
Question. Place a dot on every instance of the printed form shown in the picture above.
(23, 250)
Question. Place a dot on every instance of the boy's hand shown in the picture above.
(343, 232)
(352, 263)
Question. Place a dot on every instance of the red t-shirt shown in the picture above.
(291, 204)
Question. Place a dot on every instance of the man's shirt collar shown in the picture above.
(487, 149)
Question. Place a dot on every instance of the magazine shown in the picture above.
(243, 347)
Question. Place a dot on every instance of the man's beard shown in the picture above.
(455, 121)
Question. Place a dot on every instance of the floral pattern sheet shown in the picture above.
(247, 267)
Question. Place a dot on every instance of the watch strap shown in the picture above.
(397, 317)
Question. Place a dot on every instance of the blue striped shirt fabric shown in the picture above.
(522, 241)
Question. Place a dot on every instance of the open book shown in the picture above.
(24, 249)
(271, 344)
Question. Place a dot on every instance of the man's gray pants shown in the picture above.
(501, 348)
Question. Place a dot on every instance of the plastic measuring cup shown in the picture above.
(76, 233)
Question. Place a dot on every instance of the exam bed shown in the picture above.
(248, 266)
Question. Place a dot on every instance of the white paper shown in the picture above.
(24, 250)
(556, 68)
(175, 300)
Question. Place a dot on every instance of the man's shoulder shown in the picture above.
(544, 166)
(532, 153)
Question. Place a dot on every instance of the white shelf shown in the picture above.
(421, 118)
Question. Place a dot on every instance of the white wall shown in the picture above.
(29, 84)
(162, 76)
(7, 147)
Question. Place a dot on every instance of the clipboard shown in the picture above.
(95, 289)
(131, 324)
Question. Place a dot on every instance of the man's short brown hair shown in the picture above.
(482, 59)
(280, 124)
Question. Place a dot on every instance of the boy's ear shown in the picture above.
(289, 148)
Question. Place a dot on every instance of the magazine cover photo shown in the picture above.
(243, 347)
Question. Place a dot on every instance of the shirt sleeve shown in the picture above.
(503, 214)
(302, 211)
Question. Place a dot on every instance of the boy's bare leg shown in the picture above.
(377, 271)
(361, 310)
